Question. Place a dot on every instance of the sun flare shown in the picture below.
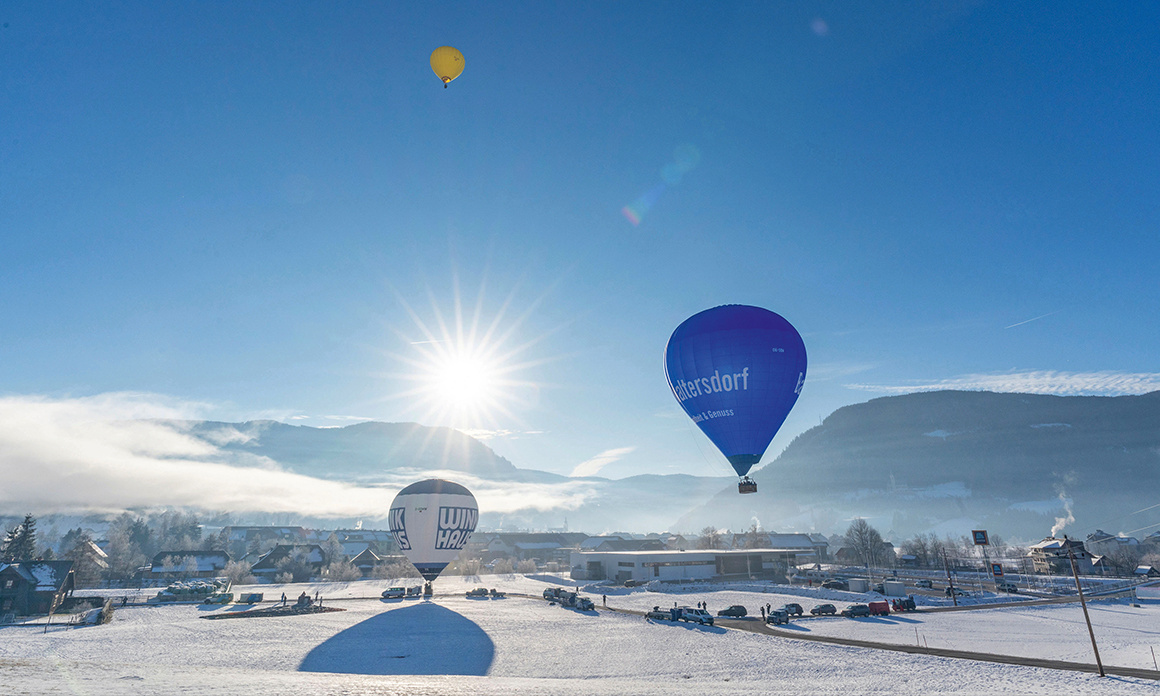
(463, 381)
(465, 372)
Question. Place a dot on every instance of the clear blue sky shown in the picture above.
(234, 204)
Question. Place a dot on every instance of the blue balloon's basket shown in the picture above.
(746, 485)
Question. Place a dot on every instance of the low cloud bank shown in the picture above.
(1035, 382)
(118, 451)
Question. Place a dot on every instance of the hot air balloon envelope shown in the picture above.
(431, 521)
(737, 371)
(447, 63)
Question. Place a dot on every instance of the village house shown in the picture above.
(1100, 542)
(31, 588)
(1146, 571)
(267, 567)
(1051, 556)
(542, 547)
(188, 564)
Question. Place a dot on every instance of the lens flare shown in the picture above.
(685, 159)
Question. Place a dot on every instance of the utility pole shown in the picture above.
(950, 583)
(1083, 603)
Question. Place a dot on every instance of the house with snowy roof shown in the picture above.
(805, 542)
(1100, 542)
(366, 561)
(188, 564)
(538, 546)
(1052, 556)
(30, 588)
(268, 566)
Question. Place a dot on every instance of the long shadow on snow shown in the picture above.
(415, 639)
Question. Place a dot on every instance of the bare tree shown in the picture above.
(1124, 559)
(918, 548)
(710, 539)
(332, 549)
(395, 571)
(526, 566)
(239, 573)
(866, 542)
(341, 571)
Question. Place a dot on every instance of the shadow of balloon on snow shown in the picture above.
(415, 639)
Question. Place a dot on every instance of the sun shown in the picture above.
(465, 370)
(464, 381)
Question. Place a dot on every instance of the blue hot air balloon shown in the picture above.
(737, 371)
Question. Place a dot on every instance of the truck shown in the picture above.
(658, 614)
(575, 601)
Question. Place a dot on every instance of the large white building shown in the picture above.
(705, 564)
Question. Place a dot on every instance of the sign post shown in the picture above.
(980, 537)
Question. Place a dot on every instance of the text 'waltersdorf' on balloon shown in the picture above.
(708, 385)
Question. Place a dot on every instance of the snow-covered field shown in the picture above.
(455, 645)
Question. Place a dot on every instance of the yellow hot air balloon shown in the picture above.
(447, 63)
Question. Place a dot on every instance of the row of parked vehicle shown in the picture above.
(782, 614)
(483, 592)
(403, 592)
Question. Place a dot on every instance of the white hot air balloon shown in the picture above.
(431, 521)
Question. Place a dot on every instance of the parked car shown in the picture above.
(553, 593)
(394, 593)
(635, 583)
(736, 610)
(856, 610)
(794, 609)
(955, 591)
(478, 592)
(879, 608)
(1006, 587)
(777, 616)
(824, 609)
(496, 594)
(927, 584)
(415, 591)
(879, 588)
(836, 585)
(689, 614)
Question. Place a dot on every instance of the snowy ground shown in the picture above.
(455, 645)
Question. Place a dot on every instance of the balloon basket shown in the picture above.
(427, 589)
(746, 485)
